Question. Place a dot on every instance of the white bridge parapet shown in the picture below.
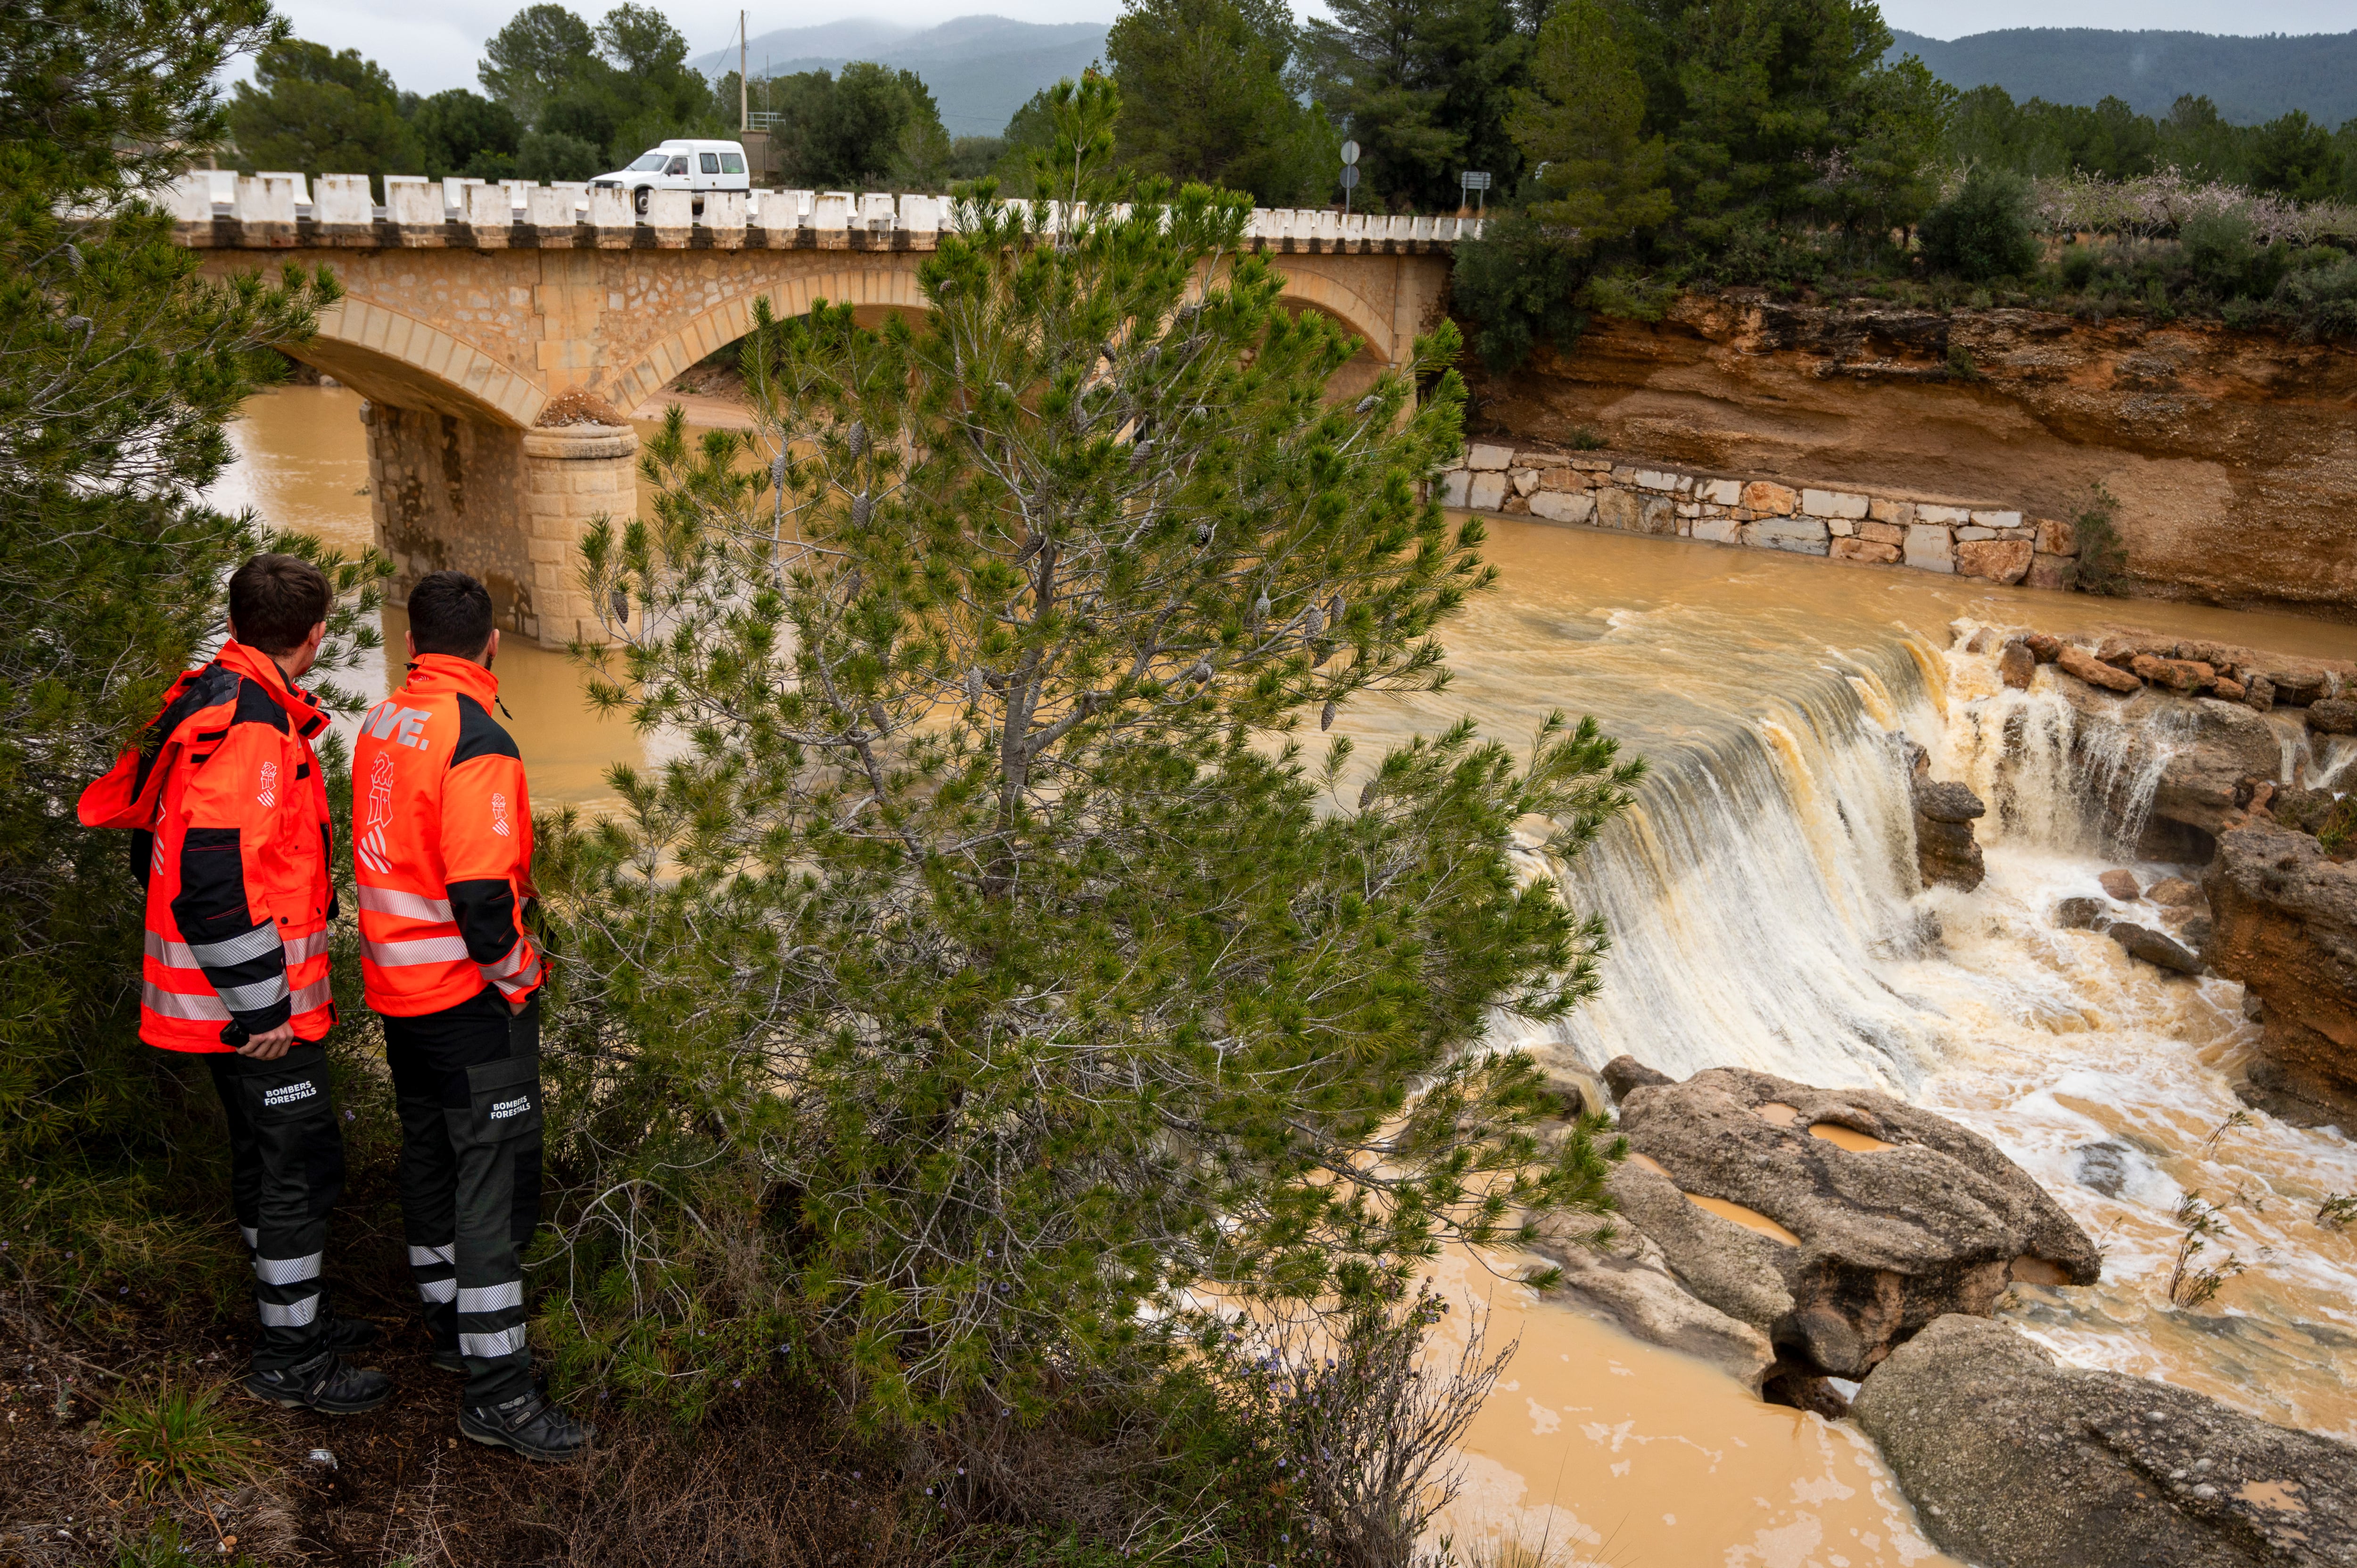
(215, 210)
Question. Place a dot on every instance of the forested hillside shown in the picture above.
(2249, 79)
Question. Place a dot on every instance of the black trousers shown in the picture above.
(286, 1171)
(468, 1083)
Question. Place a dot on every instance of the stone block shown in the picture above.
(671, 209)
(1618, 508)
(724, 210)
(1799, 535)
(410, 202)
(1563, 505)
(1770, 499)
(1525, 481)
(1997, 560)
(1655, 479)
(1489, 489)
(1941, 515)
(2057, 537)
(341, 198)
(1454, 485)
(1883, 509)
(1719, 531)
(1974, 531)
(1722, 492)
(1516, 506)
(1487, 459)
(1688, 508)
(1537, 459)
(1657, 515)
(1592, 464)
(1561, 479)
(1833, 503)
(1871, 549)
(2053, 572)
(1929, 547)
(1997, 519)
(1890, 533)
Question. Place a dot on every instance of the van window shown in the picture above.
(709, 163)
(678, 165)
(648, 163)
(731, 164)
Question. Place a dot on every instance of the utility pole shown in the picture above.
(744, 120)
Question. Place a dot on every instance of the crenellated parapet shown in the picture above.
(220, 210)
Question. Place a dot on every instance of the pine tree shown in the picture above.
(122, 366)
(1210, 92)
(991, 970)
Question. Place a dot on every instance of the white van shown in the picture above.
(680, 165)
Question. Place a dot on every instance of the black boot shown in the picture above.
(528, 1424)
(324, 1384)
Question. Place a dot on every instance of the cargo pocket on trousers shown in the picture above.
(503, 1100)
(294, 1131)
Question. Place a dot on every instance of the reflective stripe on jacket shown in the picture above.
(442, 838)
(230, 818)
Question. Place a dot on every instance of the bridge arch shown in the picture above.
(390, 357)
(1343, 303)
(715, 329)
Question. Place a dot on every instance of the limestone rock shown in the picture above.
(1624, 1073)
(2045, 649)
(2332, 715)
(1865, 550)
(2204, 751)
(2082, 915)
(1887, 1238)
(2012, 1462)
(2094, 671)
(2153, 947)
(2284, 922)
(1629, 1281)
(1997, 560)
(2121, 885)
(1945, 850)
(2016, 665)
(2174, 893)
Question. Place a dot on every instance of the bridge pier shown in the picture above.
(506, 505)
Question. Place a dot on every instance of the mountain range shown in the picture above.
(2250, 79)
(980, 69)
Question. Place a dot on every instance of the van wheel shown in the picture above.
(639, 200)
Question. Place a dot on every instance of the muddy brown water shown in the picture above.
(1764, 913)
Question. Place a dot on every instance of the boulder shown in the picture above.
(1623, 1073)
(2155, 948)
(2284, 923)
(2200, 753)
(2015, 1462)
(2121, 885)
(2174, 893)
(2259, 693)
(2082, 915)
(1997, 560)
(1627, 1279)
(2297, 685)
(2332, 715)
(1945, 851)
(2045, 649)
(2016, 664)
(1858, 1243)
(2094, 671)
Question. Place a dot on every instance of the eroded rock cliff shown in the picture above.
(2233, 454)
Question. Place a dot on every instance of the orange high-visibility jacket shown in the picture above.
(442, 836)
(231, 842)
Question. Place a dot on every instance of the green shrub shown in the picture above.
(1516, 284)
(172, 1438)
(1982, 231)
(2103, 557)
(2319, 296)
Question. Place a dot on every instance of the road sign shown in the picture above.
(1474, 179)
(1349, 177)
(1349, 152)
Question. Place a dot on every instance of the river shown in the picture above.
(1762, 908)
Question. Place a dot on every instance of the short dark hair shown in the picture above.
(449, 612)
(275, 600)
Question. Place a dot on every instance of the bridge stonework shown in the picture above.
(459, 334)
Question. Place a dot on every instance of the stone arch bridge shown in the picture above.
(467, 308)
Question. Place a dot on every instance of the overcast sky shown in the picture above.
(429, 44)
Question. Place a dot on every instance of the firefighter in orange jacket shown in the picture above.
(230, 823)
(442, 837)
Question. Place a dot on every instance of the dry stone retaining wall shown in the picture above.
(1965, 538)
